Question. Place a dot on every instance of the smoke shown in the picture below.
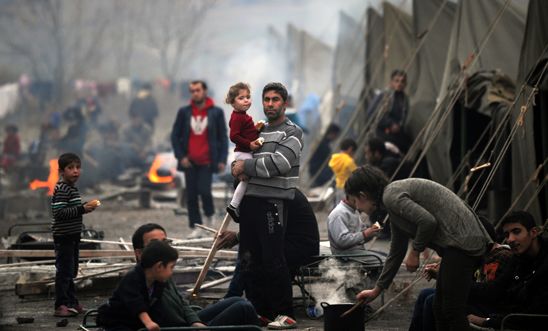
(337, 282)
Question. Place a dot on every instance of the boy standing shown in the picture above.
(67, 210)
(342, 165)
(139, 290)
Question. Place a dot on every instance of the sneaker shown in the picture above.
(196, 233)
(64, 311)
(79, 308)
(208, 221)
(263, 321)
(282, 322)
(233, 212)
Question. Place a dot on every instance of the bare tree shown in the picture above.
(59, 40)
(169, 26)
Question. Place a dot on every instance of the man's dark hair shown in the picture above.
(398, 72)
(488, 227)
(278, 88)
(369, 180)
(203, 83)
(333, 128)
(66, 159)
(137, 238)
(347, 143)
(376, 144)
(522, 217)
(158, 251)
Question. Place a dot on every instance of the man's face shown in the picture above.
(197, 92)
(155, 234)
(398, 83)
(273, 106)
(519, 239)
(371, 156)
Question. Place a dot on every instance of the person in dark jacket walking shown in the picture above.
(200, 143)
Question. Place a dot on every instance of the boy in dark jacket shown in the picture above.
(130, 305)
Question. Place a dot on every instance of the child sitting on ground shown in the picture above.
(343, 164)
(244, 134)
(139, 290)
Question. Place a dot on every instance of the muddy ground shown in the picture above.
(119, 218)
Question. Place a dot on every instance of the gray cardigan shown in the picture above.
(344, 229)
(433, 216)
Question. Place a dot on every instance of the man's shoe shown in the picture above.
(282, 322)
(79, 308)
(196, 233)
(233, 212)
(64, 311)
(263, 321)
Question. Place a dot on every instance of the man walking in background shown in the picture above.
(200, 143)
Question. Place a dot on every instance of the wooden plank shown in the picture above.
(86, 253)
(210, 257)
(213, 283)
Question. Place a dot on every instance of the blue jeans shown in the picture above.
(423, 313)
(230, 311)
(66, 265)
(198, 183)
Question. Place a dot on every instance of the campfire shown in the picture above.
(53, 177)
(162, 169)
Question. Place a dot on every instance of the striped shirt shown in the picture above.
(274, 169)
(67, 210)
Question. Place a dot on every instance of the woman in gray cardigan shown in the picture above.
(432, 216)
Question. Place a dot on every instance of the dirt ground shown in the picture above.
(118, 218)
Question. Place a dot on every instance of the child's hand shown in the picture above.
(151, 326)
(259, 125)
(369, 232)
(255, 145)
(91, 205)
(198, 324)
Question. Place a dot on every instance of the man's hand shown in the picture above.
(185, 162)
(243, 178)
(254, 145)
(227, 239)
(198, 324)
(152, 326)
(431, 271)
(369, 295)
(412, 261)
(476, 320)
(237, 168)
(221, 167)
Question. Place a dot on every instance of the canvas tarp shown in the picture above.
(374, 49)
(430, 59)
(532, 59)
(310, 61)
(470, 27)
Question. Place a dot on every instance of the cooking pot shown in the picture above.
(332, 320)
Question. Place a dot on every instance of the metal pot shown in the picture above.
(332, 320)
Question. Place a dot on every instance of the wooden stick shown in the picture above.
(354, 307)
(124, 244)
(389, 302)
(97, 274)
(213, 283)
(207, 228)
(210, 257)
(106, 253)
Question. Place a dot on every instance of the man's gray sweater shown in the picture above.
(433, 216)
(274, 169)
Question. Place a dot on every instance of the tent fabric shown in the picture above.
(310, 61)
(533, 53)
(349, 58)
(430, 59)
(399, 43)
(470, 26)
(374, 67)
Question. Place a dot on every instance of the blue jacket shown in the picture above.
(216, 130)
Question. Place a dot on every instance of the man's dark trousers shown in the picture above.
(198, 183)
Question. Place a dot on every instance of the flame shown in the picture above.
(153, 176)
(53, 178)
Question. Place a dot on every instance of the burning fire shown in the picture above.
(53, 177)
(165, 161)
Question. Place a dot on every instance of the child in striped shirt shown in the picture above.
(67, 210)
